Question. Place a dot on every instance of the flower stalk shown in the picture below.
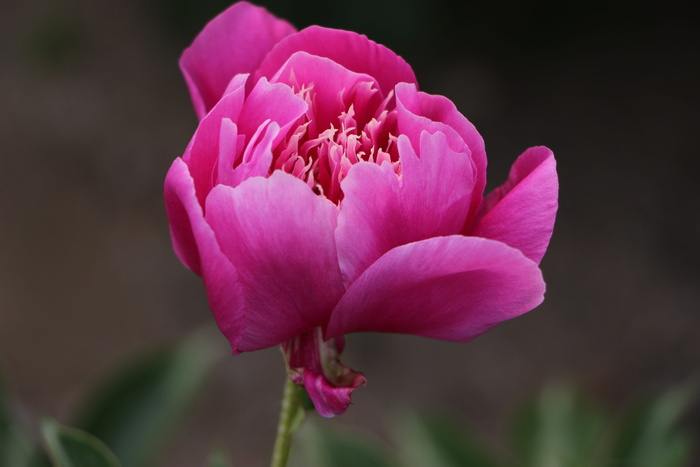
(291, 415)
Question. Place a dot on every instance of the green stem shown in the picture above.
(289, 421)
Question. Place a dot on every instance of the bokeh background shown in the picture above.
(93, 110)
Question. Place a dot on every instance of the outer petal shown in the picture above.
(521, 212)
(234, 42)
(381, 211)
(279, 236)
(180, 205)
(197, 247)
(418, 111)
(451, 288)
(350, 50)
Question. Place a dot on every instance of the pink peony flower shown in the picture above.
(323, 194)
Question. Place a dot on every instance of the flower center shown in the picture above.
(323, 157)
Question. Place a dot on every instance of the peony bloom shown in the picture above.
(323, 194)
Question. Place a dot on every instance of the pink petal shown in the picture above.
(255, 160)
(331, 86)
(203, 152)
(270, 101)
(451, 288)
(315, 365)
(330, 400)
(279, 236)
(234, 42)
(348, 49)
(381, 211)
(521, 212)
(216, 140)
(197, 247)
(418, 111)
(180, 204)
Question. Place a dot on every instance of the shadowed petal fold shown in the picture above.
(234, 42)
(521, 212)
(452, 288)
(197, 247)
(279, 236)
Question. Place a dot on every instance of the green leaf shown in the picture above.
(438, 442)
(219, 458)
(136, 412)
(15, 449)
(652, 436)
(322, 445)
(70, 447)
(559, 430)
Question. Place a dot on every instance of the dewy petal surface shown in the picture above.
(196, 245)
(521, 212)
(381, 211)
(279, 236)
(234, 42)
(452, 288)
(348, 49)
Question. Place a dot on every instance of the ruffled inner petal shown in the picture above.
(202, 154)
(350, 50)
(418, 111)
(332, 88)
(380, 211)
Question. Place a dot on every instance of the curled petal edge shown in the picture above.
(521, 212)
(315, 365)
(329, 400)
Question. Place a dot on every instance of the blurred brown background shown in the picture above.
(93, 110)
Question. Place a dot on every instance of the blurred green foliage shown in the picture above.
(135, 413)
(128, 421)
(70, 447)
(560, 428)
(219, 458)
(15, 448)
